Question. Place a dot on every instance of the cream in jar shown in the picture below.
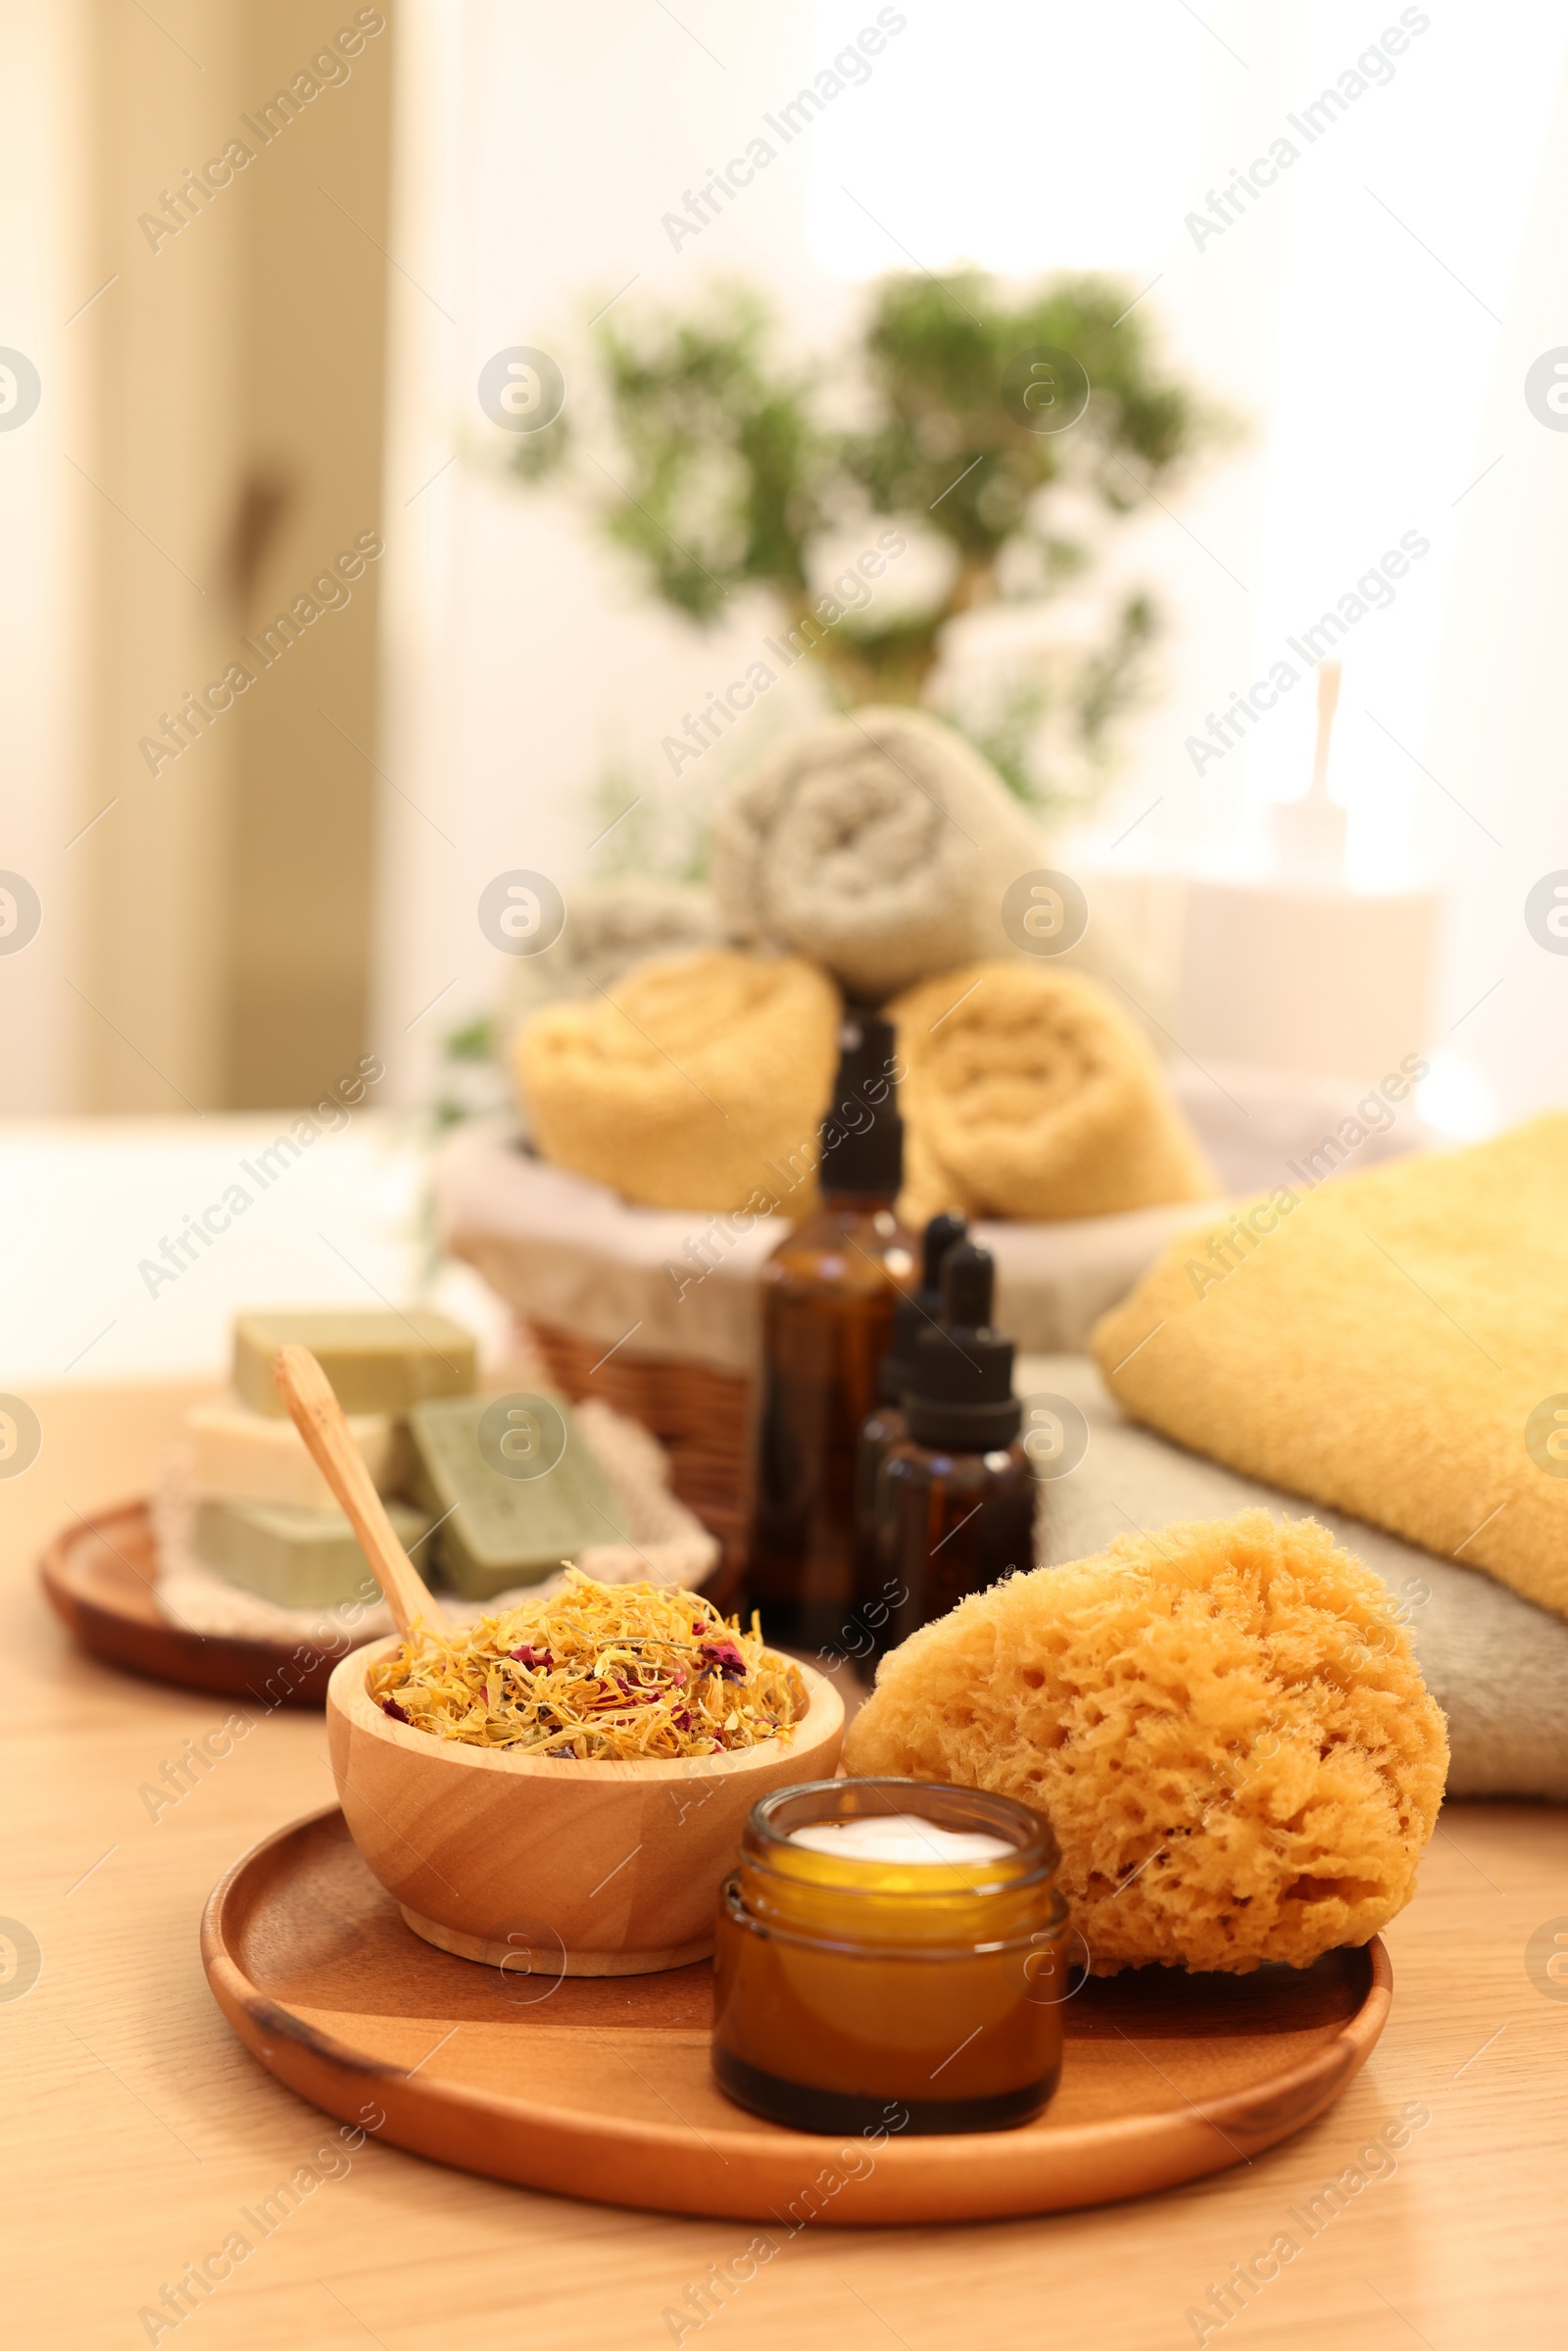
(900, 1836)
(891, 1939)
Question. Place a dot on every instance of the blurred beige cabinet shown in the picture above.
(227, 377)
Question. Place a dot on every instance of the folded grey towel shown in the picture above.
(1496, 1665)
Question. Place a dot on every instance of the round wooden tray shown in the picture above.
(600, 2087)
(99, 1575)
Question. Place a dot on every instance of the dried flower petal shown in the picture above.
(628, 1680)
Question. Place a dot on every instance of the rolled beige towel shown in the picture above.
(679, 1090)
(610, 927)
(879, 846)
(1030, 1094)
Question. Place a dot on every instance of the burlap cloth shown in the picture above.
(676, 1283)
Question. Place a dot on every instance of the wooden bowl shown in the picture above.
(548, 1868)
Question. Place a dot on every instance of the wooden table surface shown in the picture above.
(137, 2128)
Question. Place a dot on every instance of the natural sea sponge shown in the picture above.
(1223, 1722)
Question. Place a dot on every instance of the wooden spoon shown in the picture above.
(318, 1417)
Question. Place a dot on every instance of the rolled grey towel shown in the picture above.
(878, 846)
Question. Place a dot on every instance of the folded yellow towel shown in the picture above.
(1394, 1344)
(679, 1090)
(1030, 1094)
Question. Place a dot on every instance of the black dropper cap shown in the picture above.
(961, 1394)
(862, 1134)
(919, 1309)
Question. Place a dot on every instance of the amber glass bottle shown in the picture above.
(885, 1424)
(828, 1294)
(956, 1498)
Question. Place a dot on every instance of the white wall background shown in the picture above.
(1371, 319)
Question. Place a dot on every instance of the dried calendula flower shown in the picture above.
(622, 1672)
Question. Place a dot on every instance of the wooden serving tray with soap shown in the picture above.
(100, 1576)
(265, 1520)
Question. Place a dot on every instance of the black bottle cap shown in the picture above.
(862, 1134)
(919, 1309)
(962, 1395)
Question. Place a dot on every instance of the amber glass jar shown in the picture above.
(844, 1983)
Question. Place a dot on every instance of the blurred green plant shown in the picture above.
(732, 465)
(470, 1056)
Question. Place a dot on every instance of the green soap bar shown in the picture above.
(375, 1362)
(492, 1530)
(296, 1559)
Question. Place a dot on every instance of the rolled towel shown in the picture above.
(1391, 1344)
(610, 927)
(880, 846)
(679, 1092)
(1029, 1093)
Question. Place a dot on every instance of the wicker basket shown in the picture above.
(701, 1416)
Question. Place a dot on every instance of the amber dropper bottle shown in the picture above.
(828, 1294)
(956, 1498)
(885, 1424)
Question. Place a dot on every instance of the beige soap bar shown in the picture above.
(377, 1362)
(242, 1456)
